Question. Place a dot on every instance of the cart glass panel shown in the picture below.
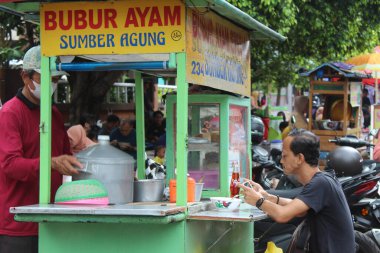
(238, 139)
(204, 144)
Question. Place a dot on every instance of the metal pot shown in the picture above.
(111, 166)
(148, 190)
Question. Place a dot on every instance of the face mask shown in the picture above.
(37, 91)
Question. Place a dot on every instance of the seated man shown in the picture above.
(110, 125)
(124, 137)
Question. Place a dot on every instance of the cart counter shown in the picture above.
(164, 227)
(154, 210)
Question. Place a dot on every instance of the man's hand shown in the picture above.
(251, 195)
(256, 187)
(64, 164)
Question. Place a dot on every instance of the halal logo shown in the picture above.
(176, 35)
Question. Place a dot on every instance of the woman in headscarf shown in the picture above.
(78, 138)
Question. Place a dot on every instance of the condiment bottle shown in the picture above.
(190, 190)
(234, 189)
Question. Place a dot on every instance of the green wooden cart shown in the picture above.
(203, 42)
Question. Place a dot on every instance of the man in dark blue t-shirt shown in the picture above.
(124, 138)
(321, 200)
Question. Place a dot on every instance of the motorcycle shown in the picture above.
(362, 189)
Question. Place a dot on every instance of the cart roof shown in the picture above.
(30, 11)
(342, 68)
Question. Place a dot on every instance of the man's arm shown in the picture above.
(284, 211)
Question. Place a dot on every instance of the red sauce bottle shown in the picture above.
(234, 190)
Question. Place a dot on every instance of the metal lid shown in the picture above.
(104, 153)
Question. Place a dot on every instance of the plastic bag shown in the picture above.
(272, 248)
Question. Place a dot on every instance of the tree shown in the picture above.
(317, 31)
(89, 90)
(9, 48)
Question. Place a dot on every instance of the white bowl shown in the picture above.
(223, 203)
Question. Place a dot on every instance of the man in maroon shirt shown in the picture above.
(20, 152)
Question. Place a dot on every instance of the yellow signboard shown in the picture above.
(119, 27)
(218, 53)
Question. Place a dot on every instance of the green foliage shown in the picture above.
(317, 31)
(9, 53)
(9, 48)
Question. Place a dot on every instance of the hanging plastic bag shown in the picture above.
(272, 248)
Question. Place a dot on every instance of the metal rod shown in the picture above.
(218, 239)
(108, 66)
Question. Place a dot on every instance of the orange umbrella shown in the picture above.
(369, 63)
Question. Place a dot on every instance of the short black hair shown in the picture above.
(113, 118)
(282, 114)
(283, 125)
(87, 118)
(93, 134)
(306, 143)
(158, 148)
(158, 113)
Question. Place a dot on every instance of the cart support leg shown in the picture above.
(181, 130)
(140, 124)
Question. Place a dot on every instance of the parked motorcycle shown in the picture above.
(361, 184)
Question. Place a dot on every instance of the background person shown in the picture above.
(87, 120)
(20, 156)
(93, 133)
(113, 122)
(156, 127)
(159, 155)
(321, 201)
(366, 108)
(284, 124)
(366, 102)
(124, 137)
(78, 139)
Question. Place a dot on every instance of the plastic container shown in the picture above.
(190, 190)
(198, 191)
(111, 166)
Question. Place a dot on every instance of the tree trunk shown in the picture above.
(278, 99)
(88, 90)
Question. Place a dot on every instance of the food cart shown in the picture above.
(340, 89)
(197, 43)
